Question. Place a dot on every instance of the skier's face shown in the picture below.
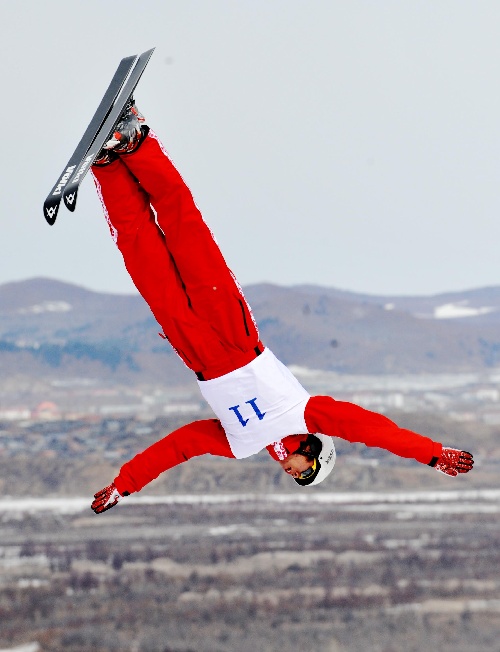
(295, 464)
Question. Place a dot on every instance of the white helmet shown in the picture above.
(323, 452)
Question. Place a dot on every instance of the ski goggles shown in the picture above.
(310, 471)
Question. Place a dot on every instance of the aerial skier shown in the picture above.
(176, 265)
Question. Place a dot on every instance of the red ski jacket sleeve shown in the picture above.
(194, 439)
(323, 414)
(357, 425)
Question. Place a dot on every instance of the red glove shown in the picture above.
(452, 461)
(106, 499)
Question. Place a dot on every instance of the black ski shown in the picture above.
(51, 204)
(71, 189)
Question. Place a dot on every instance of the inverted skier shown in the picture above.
(176, 265)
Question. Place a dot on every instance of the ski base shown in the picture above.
(107, 115)
(70, 191)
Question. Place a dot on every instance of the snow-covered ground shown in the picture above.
(457, 501)
(460, 309)
(29, 647)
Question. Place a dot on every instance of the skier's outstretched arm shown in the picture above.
(197, 438)
(357, 425)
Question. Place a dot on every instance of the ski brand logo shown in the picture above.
(69, 199)
(82, 168)
(64, 180)
(328, 459)
(254, 406)
(51, 211)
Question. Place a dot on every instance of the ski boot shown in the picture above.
(129, 133)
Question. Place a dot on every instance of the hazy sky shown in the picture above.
(348, 143)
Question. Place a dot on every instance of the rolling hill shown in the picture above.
(51, 328)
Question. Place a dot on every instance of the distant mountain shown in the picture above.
(483, 303)
(331, 329)
(50, 328)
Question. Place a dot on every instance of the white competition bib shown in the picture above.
(258, 404)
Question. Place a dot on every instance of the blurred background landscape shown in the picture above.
(347, 157)
(224, 554)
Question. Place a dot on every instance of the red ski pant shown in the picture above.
(175, 263)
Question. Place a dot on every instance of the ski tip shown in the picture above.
(50, 210)
(148, 53)
(70, 199)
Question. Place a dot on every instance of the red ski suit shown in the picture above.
(176, 265)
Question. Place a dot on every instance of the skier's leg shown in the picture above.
(214, 294)
(150, 264)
